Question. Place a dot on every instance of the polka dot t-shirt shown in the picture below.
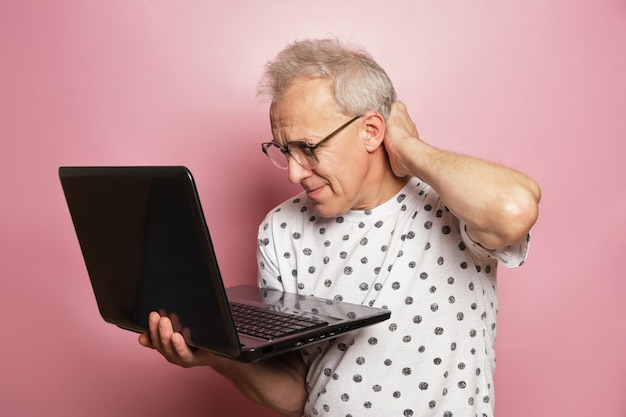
(411, 255)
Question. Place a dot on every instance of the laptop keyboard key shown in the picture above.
(269, 324)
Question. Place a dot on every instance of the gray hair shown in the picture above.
(359, 84)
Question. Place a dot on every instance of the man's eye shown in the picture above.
(298, 147)
(304, 149)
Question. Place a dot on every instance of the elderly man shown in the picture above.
(387, 220)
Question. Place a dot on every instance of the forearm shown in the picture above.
(498, 204)
(277, 383)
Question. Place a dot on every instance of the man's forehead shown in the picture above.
(287, 128)
(307, 100)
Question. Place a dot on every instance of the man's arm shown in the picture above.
(277, 383)
(498, 204)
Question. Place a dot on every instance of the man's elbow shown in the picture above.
(518, 215)
(510, 221)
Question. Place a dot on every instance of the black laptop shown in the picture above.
(146, 246)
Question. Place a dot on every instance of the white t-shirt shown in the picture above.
(435, 355)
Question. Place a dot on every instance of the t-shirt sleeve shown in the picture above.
(511, 256)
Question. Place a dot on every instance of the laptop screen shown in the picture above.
(147, 248)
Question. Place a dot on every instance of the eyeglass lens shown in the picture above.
(298, 151)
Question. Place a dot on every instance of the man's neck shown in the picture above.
(380, 185)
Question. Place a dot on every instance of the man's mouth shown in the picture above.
(313, 192)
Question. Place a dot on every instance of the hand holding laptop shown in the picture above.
(259, 380)
(172, 345)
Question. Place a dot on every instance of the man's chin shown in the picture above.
(327, 212)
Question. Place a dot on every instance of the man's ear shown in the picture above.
(374, 129)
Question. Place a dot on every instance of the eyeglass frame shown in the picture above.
(285, 149)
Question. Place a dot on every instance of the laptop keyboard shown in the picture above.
(269, 324)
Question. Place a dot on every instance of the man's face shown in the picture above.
(308, 112)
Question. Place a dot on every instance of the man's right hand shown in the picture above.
(277, 383)
(172, 346)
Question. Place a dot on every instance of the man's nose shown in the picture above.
(297, 172)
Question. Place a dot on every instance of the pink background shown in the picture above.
(537, 85)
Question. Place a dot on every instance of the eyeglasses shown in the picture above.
(302, 152)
